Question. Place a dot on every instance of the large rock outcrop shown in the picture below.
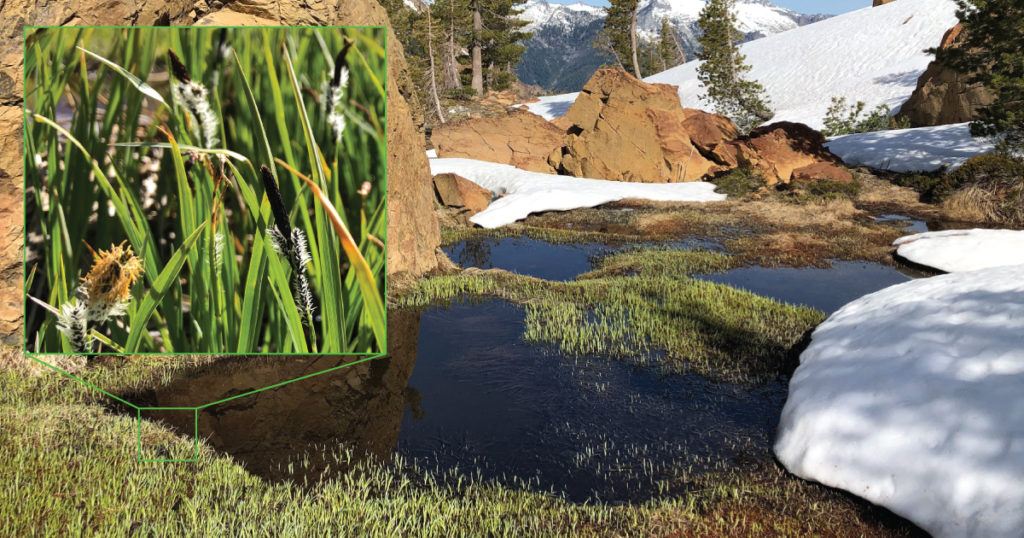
(622, 128)
(413, 233)
(521, 139)
(944, 95)
(779, 149)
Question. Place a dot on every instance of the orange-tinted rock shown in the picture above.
(822, 171)
(460, 193)
(944, 95)
(622, 128)
(778, 149)
(522, 139)
(707, 130)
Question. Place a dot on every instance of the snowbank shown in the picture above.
(875, 55)
(522, 192)
(913, 398)
(955, 251)
(925, 149)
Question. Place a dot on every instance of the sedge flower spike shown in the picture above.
(107, 287)
(291, 244)
(196, 99)
(73, 322)
(336, 93)
(105, 292)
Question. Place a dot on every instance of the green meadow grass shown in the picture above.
(642, 305)
(71, 468)
(112, 155)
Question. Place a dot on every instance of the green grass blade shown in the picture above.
(155, 294)
(146, 89)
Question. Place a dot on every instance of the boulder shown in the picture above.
(822, 171)
(877, 3)
(457, 192)
(944, 95)
(777, 150)
(622, 128)
(706, 130)
(520, 138)
(413, 232)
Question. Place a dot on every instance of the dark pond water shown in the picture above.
(526, 256)
(824, 289)
(907, 224)
(542, 259)
(585, 427)
(462, 390)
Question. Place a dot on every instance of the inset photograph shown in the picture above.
(205, 190)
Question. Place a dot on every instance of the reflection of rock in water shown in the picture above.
(359, 406)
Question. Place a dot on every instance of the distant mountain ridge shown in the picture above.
(560, 55)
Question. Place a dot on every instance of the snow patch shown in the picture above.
(522, 193)
(956, 251)
(913, 398)
(925, 149)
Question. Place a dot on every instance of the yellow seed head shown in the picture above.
(112, 275)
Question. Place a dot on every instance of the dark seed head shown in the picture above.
(339, 62)
(178, 68)
(276, 202)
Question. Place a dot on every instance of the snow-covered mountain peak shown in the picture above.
(541, 13)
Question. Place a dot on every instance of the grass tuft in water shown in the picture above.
(679, 322)
(666, 262)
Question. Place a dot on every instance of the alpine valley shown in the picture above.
(561, 55)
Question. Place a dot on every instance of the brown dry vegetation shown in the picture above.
(767, 232)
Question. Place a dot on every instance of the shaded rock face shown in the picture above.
(621, 128)
(877, 3)
(413, 232)
(359, 406)
(11, 231)
(944, 95)
(521, 139)
(779, 149)
(456, 192)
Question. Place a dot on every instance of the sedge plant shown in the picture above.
(228, 184)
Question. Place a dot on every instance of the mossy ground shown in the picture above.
(71, 468)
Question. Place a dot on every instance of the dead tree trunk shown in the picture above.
(450, 78)
(632, 41)
(478, 67)
(433, 73)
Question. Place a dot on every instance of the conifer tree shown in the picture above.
(670, 53)
(992, 52)
(503, 38)
(619, 32)
(723, 69)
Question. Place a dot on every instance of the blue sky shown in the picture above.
(823, 6)
(802, 6)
